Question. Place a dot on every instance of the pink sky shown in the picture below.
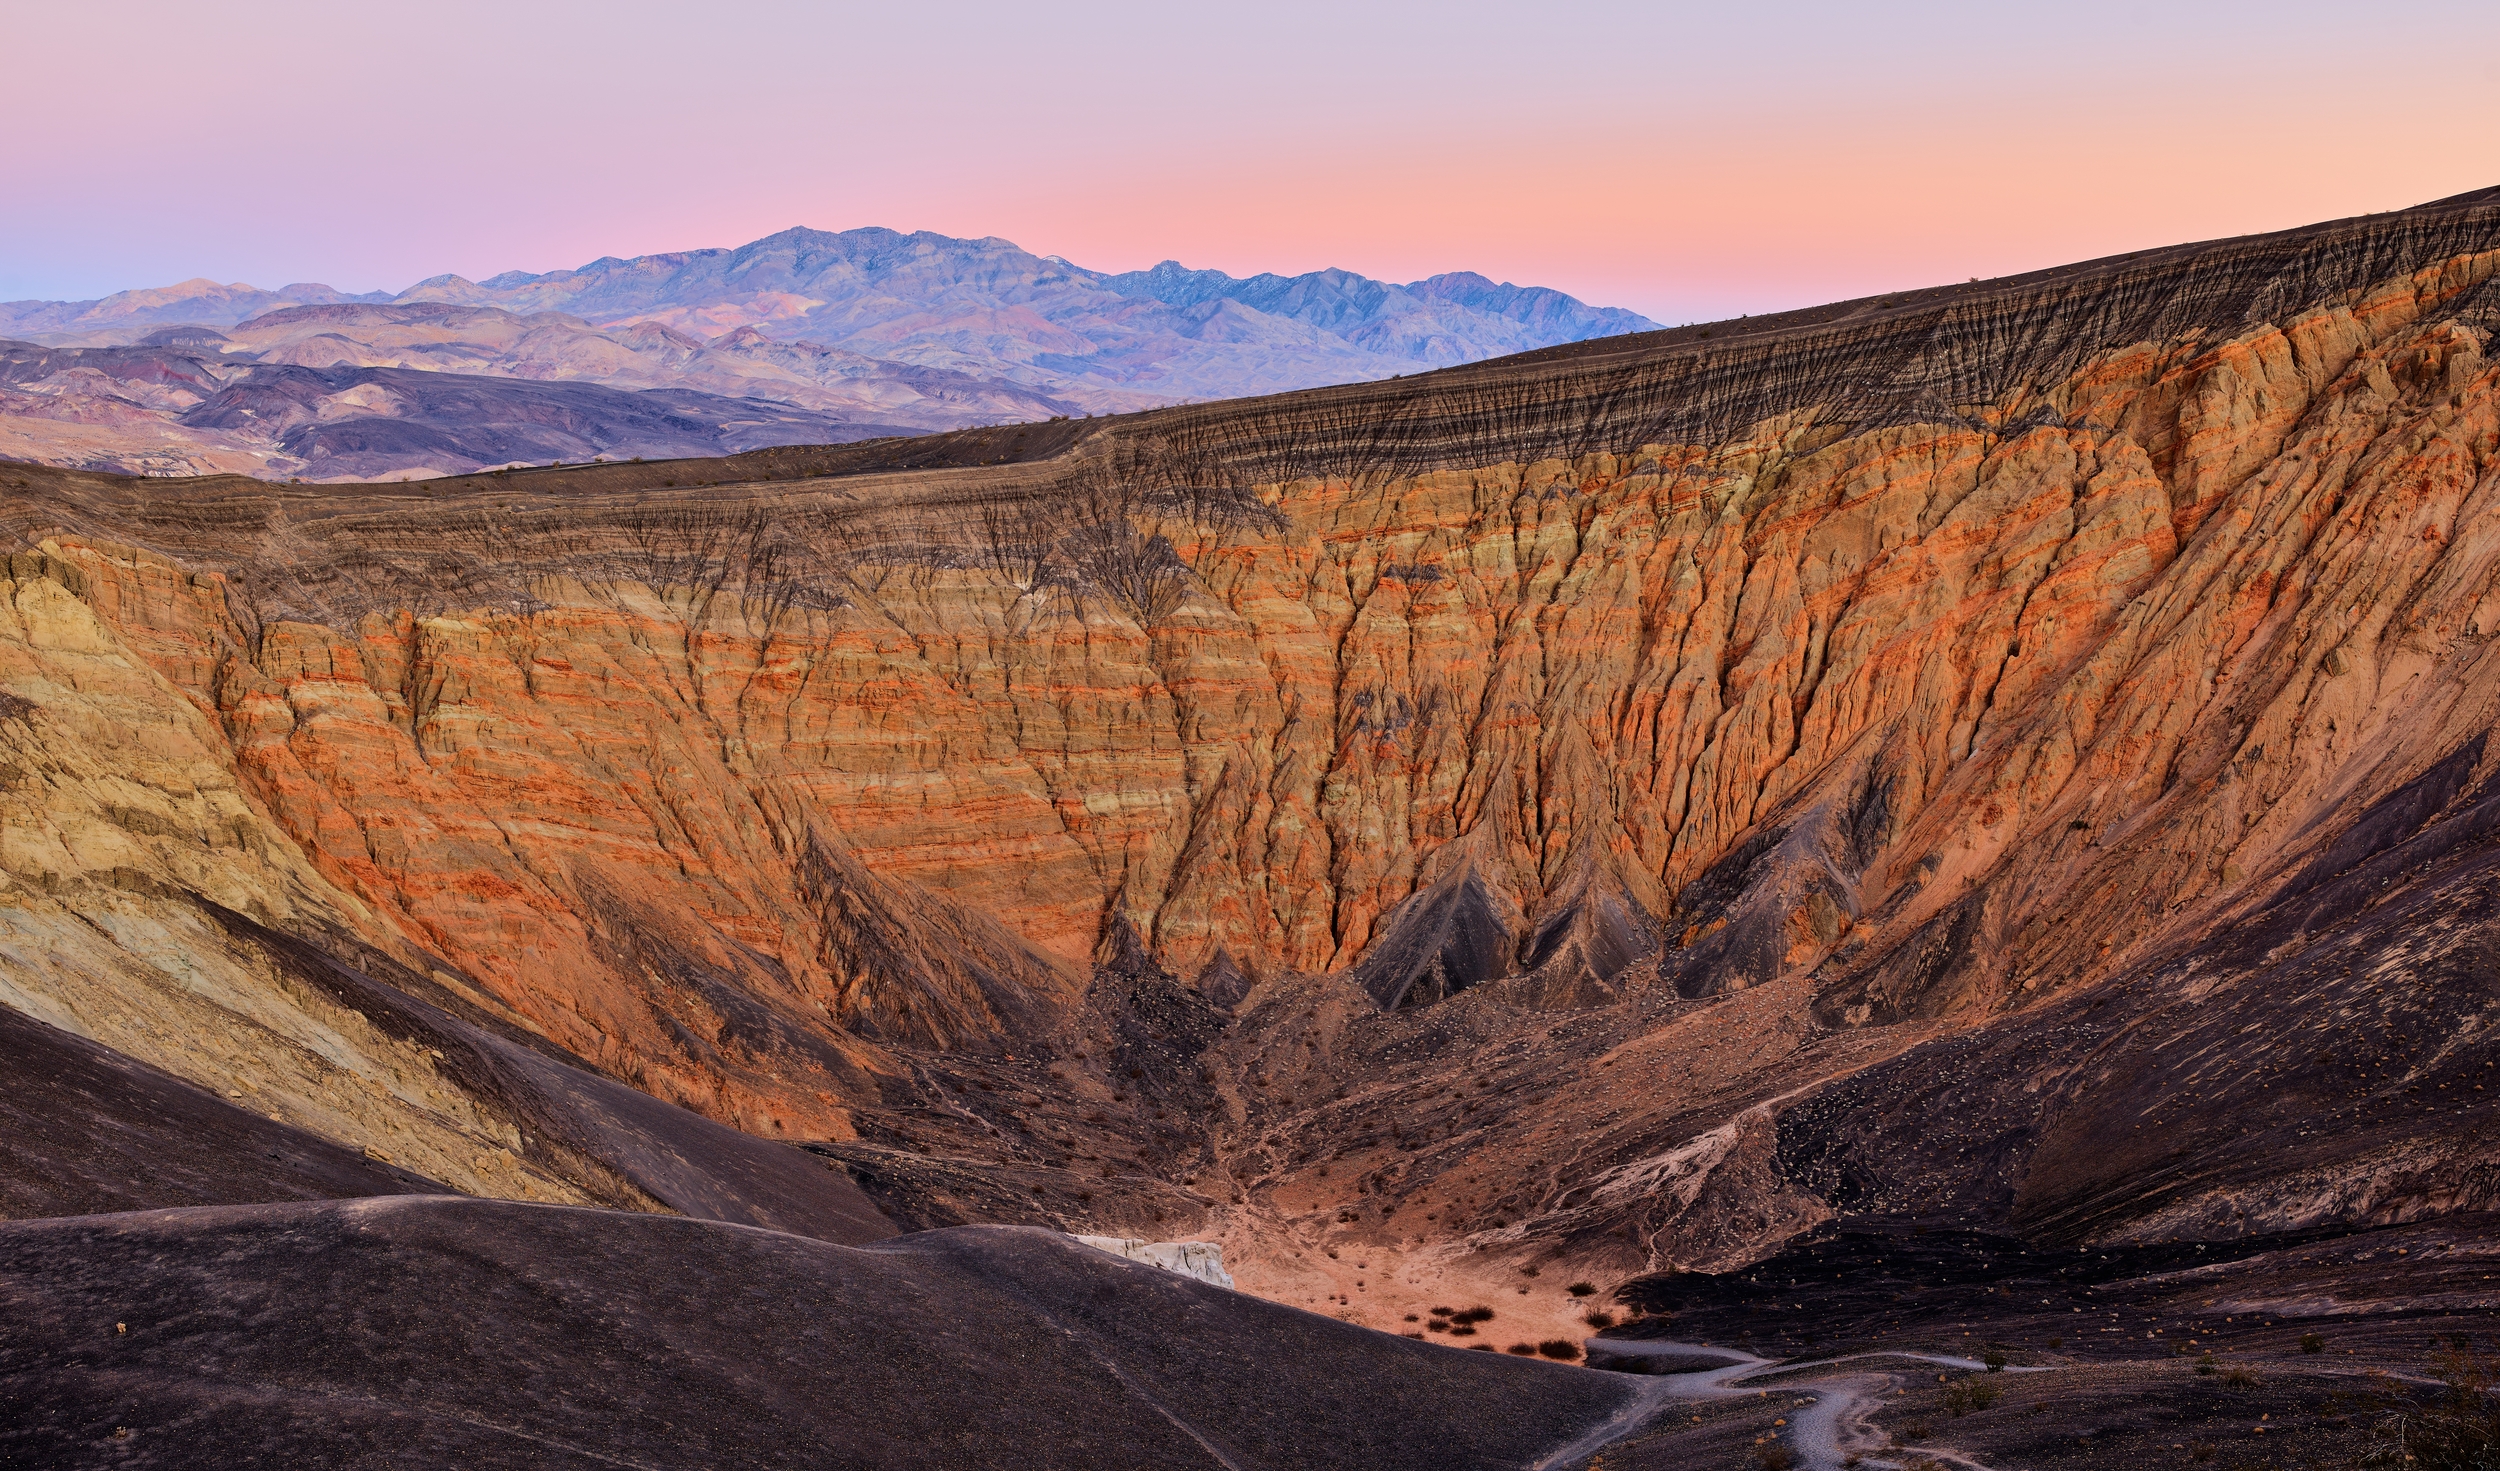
(1684, 161)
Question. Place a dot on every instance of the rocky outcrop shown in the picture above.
(1203, 1260)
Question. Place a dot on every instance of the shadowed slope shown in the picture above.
(435, 1331)
(85, 1130)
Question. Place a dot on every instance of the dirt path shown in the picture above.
(1824, 1435)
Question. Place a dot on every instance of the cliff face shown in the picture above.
(1623, 805)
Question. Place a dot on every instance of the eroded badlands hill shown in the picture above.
(2011, 755)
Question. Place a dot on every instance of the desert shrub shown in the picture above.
(1772, 1455)
(2205, 1364)
(1995, 1360)
(1559, 1348)
(1411, 1318)
(1477, 1314)
(1582, 1289)
(2239, 1378)
(1599, 1320)
(2310, 1343)
(1443, 1312)
(1524, 1350)
(2203, 1450)
(1463, 1330)
(1965, 1395)
(2459, 1431)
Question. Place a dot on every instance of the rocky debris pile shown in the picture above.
(1203, 1260)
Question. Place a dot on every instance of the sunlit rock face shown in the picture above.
(2013, 754)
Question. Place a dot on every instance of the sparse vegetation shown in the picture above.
(1559, 1348)
(1525, 1350)
(2311, 1343)
(1773, 1455)
(1582, 1289)
(1966, 1395)
(2458, 1431)
(1994, 1358)
(1599, 1320)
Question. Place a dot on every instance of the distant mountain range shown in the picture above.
(805, 333)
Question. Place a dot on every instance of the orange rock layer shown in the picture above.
(2070, 670)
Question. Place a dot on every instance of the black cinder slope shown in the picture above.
(434, 1331)
(84, 1130)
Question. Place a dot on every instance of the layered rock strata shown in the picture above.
(1584, 812)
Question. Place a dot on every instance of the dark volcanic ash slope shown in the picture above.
(431, 1331)
(85, 1130)
(91, 1130)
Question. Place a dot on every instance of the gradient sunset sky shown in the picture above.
(1686, 161)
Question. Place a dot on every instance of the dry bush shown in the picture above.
(2458, 1431)
(1966, 1395)
(1559, 1348)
